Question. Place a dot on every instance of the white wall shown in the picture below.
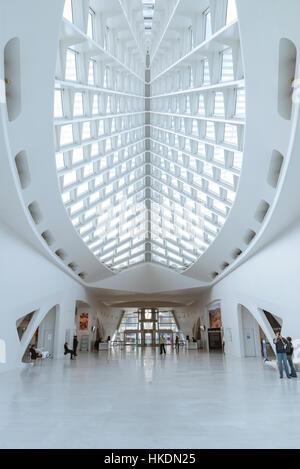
(30, 282)
(269, 280)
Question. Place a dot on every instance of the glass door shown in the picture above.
(130, 338)
(148, 338)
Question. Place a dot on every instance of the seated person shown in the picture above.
(33, 353)
(67, 350)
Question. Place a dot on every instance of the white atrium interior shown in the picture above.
(149, 193)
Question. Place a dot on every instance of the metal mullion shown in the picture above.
(171, 250)
(94, 175)
(196, 49)
(205, 218)
(91, 177)
(89, 40)
(209, 194)
(217, 212)
(202, 118)
(83, 163)
(170, 231)
(87, 142)
(239, 84)
(191, 171)
(199, 140)
(101, 245)
(94, 117)
(197, 157)
(131, 30)
(165, 31)
(103, 213)
(94, 204)
(93, 88)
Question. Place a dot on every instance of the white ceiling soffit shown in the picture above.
(148, 278)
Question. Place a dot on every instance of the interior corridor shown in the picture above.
(135, 398)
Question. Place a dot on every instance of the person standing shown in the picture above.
(75, 345)
(280, 344)
(162, 344)
(177, 343)
(289, 356)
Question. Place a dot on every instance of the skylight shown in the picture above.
(148, 12)
(152, 183)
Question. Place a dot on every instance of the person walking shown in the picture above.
(281, 344)
(162, 344)
(75, 345)
(177, 344)
(289, 356)
(67, 350)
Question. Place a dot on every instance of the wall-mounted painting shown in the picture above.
(84, 321)
(215, 319)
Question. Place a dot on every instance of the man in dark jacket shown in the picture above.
(75, 344)
(289, 356)
(280, 344)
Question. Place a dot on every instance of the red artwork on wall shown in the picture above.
(215, 318)
(84, 321)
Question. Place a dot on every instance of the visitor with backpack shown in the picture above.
(281, 344)
(289, 355)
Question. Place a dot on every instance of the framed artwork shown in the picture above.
(84, 321)
(215, 319)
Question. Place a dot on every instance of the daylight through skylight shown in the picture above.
(149, 173)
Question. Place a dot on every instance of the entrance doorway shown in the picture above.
(144, 327)
(148, 339)
(249, 333)
(215, 338)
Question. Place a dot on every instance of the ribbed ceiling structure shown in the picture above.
(149, 126)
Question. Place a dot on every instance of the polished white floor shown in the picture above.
(137, 399)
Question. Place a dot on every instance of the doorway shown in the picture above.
(249, 333)
(148, 339)
(249, 342)
(46, 332)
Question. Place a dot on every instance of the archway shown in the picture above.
(254, 329)
(40, 332)
(250, 333)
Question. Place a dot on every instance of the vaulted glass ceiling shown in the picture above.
(148, 171)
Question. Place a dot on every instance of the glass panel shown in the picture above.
(71, 65)
(58, 109)
(219, 105)
(68, 11)
(66, 134)
(231, 11)
(90, 28)
(227, 65)
(207, 29)
(240, 108)
(78, 104)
